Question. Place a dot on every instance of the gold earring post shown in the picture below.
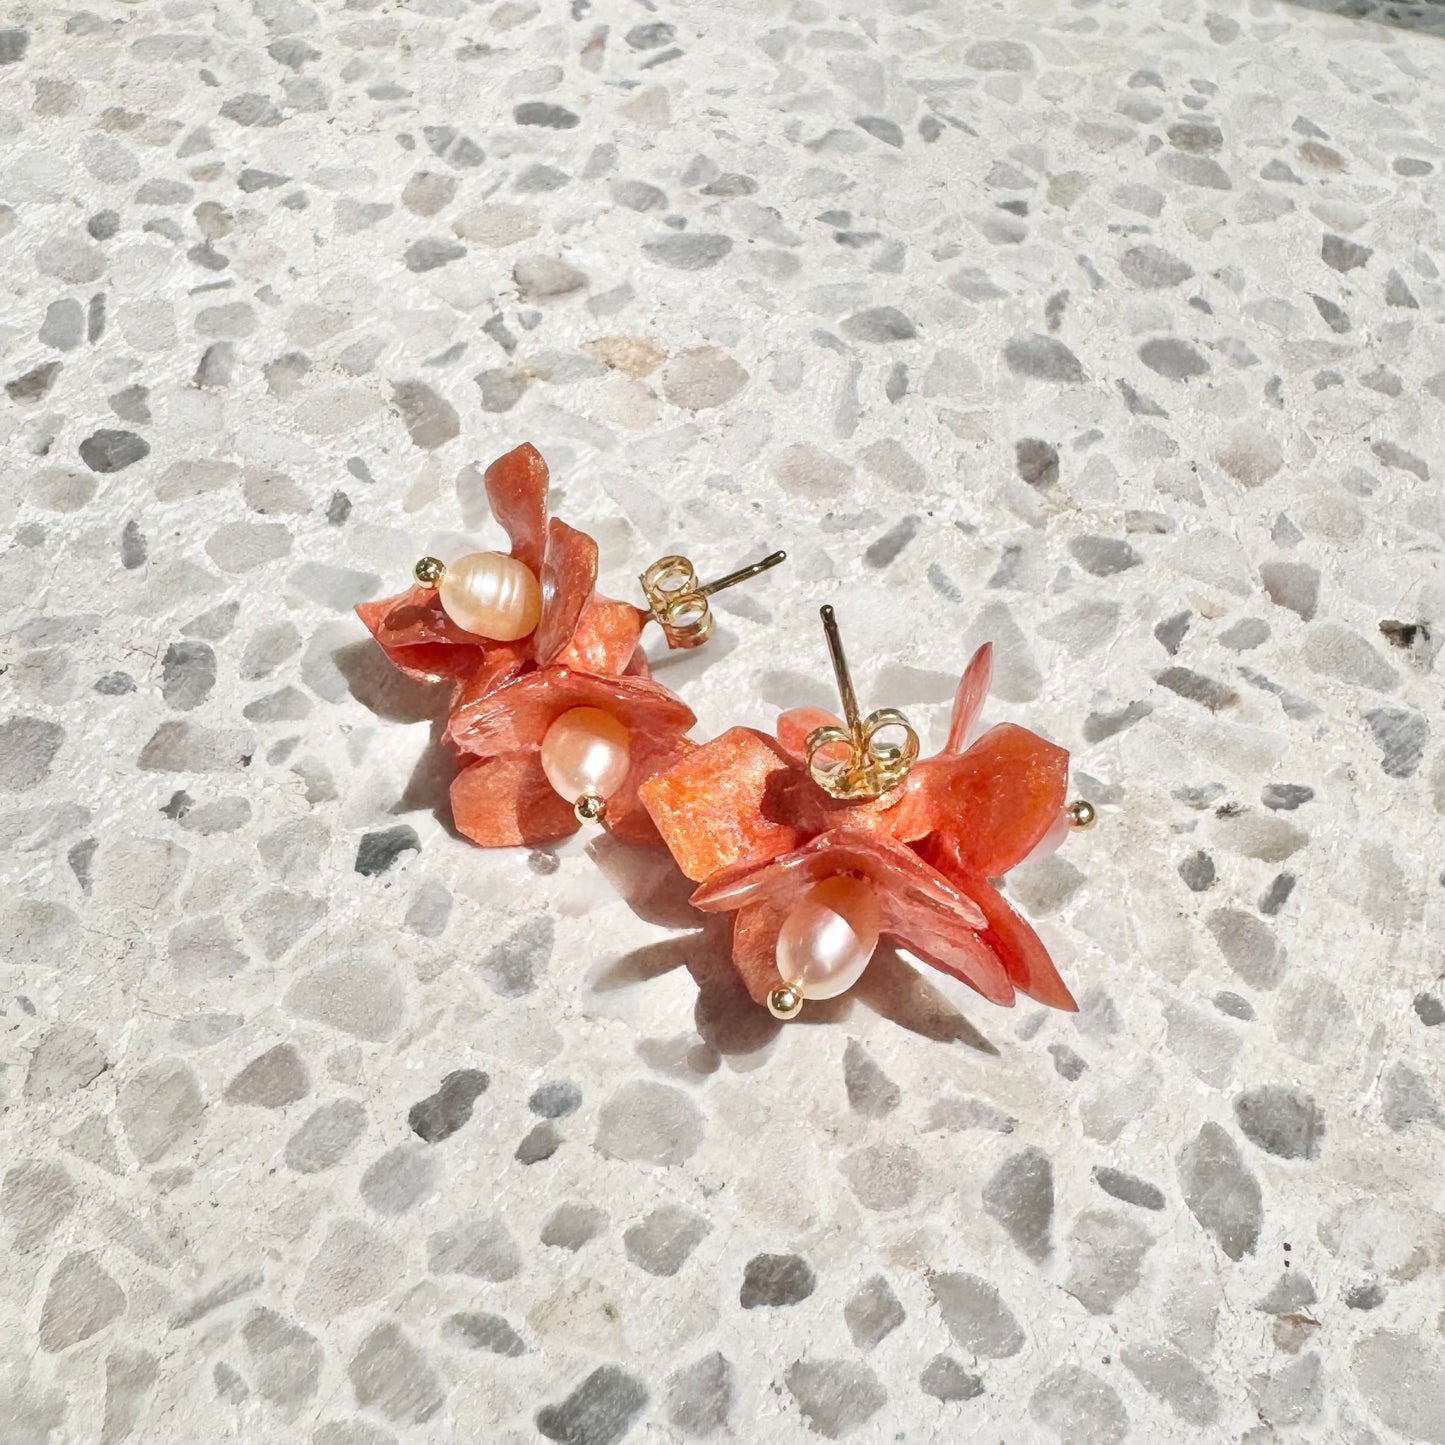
(872, 766)
(679, 601)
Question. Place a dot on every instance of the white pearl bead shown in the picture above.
(491, 595)
(829, 936)
(585, 751)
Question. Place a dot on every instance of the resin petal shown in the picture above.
(569, 573)
(517, 491)
(997, 800)
(605, 639)
(504, 802)
(972, 690)
(518, 715)
(725, 803)
(919, 907)
(418, 636)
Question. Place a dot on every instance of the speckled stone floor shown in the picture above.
(1109, 332)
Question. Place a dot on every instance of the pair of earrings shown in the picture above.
(820, 839)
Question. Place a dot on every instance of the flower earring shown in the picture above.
(554, 719)
(833, 833)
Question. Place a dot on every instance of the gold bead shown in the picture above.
(785, 1002)
(429, 571)
(1081, 814)
(590, 808)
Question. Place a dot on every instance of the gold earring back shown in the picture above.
(678, 601)
(867, 756)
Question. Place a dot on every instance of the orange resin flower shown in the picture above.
(743, 817)
(522, 780)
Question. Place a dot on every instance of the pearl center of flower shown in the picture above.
(491, 595)
(828, 937)
(585, 754)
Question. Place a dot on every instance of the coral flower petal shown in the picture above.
(1019, 948)
(972, 690)
(1000, 797)
(719, 805)
(569, 573)
(506, 801)
(517, 491)
(627, 819)
(518, 715)
(920, 908)
(419, 637)
(606, 638)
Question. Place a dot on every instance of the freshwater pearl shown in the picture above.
(829, 936)
(492, 595)
(585, 752)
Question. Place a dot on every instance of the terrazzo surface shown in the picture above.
(1111, 333)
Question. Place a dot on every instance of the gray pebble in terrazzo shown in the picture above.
(1171, 1377)
(600, 1410)
(1333, 315)
(883, 1176)
(1286, 796)
(352, 1432)
(513, 967)
(556, 1099)
(63, 326)
(1106, 1250)
(571, 1225)
(432, 252)
(834, 1397)
(188, 673)
(546, 278)
(1104, 556)
(662, 1241)
(327, 1137)
(540, 1142)
(390, 1374)
(947, 1380)
(881, 128)
(160, 1108)
(976, 1316)
(230, 1384)
(81, 1300)
(477, 1330)
(1075, 1404)
(1128, 1189)
(1067, 1063)
(1290, 1292)
(1368, 1296)
(67, 1057)
(1020, 1196)
(110, 450)
(1248, 946)
(285, 1360)
(1044, 358)
(870, 1091)
(774, 1281)
(441, 1114)
(35, 1197)
(271, 1080)
(401, 1179)
(1174, 358)
(1398, 293)
(1402, 737)
(1406, 1099)
(1235, 1006)
(872, 1312)
(1220, 1191)
(649, 1122)
(543, 113)
(28, 746)
(691, 251)
(1429, 1010)
(378, 852)
(480, 1246)
(35, 384)
(1198, 872)
(699, 1396)
(1402, 1378)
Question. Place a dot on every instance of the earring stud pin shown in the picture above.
(678, 601)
